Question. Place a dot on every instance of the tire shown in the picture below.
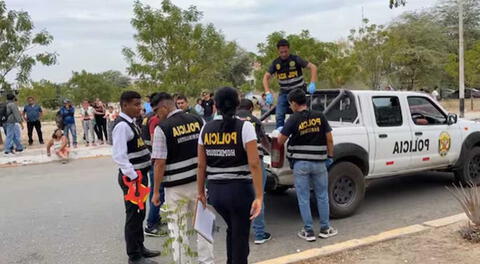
(469, 172)
(346, 189)
(279, 190)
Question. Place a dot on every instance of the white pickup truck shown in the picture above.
(382, 134)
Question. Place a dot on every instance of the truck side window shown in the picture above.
(388, 112)
(424, 112)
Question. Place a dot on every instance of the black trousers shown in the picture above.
(101, 127)
(38, 127)
(233, 199)
(133, 222)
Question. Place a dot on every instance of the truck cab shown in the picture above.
(383, 134)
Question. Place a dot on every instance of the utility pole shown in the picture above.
(461, 75)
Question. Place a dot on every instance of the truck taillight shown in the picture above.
(277, 155)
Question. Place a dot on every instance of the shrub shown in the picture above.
(469, 199)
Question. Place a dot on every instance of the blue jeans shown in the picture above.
(13, 137)
(259, 222)
(314, 172)
(281, 109)
(70, 128)
(154, 218)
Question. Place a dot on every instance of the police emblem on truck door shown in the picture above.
(444, 143)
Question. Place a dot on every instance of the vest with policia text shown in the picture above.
(181, 132)
(137, 152)
(309, 141)
(226, 157)
(257, 124)
(289, 73)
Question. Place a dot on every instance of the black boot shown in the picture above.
(147, 253)
(142, 261)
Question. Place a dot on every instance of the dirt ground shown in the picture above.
(47, 130)
(435, 246)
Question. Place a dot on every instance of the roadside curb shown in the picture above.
(366, 241)
(39, 157)
(14, 164)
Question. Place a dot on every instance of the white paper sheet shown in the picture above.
(204, 222)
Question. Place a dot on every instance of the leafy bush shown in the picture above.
(49, 114)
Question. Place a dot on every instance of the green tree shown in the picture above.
(176, 53)
(17, 43)
(446, 13)
(371, 51)
(472, 66)
(419, 51)
(46, 93)
(341, 66)
(85, 85)
(119, 83)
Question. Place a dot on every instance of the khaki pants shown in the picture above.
(174, 198)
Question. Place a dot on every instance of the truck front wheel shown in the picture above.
(469, 172)
(346, 189)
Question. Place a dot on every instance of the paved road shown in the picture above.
(73, 213)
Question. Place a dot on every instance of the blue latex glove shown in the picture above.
(269, 99)
(311, 88)
(328, 162)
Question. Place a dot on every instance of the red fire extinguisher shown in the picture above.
(277, 154)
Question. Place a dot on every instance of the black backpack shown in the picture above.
(59, 120)
(3, 113)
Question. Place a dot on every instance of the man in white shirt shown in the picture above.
(133, 159)
(174, 150)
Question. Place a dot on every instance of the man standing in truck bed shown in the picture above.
(287, 68)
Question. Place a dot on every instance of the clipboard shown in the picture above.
(204, 222)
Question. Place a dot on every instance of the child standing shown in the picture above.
(59, 143)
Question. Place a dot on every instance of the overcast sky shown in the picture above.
(90, 34)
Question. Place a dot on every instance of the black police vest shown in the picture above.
(309, 142)
(226, 156)
(137, 152)
(247, 116)
(289, 74)
(181, 132)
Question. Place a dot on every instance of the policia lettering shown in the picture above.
(289, 72)
(185, 129)
(220, 138)
(310, 126)
(407, 146)
(216, 138)
(181, 132)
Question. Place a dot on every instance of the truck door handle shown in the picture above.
(418, 133)
(383, 136)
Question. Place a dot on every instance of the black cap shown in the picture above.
(283, 43)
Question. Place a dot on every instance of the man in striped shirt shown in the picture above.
(287, 68)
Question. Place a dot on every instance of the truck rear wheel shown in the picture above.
(469, 172)
(346, 189)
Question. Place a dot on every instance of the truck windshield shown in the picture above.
(337, 105)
